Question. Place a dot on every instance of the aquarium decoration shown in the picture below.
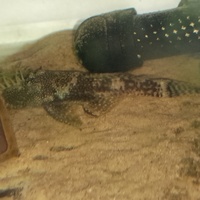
(8, 145)
(123, 40)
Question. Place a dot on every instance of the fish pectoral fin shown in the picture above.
(100, 104)
(62, 111)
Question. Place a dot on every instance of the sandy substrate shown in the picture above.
(144, 148)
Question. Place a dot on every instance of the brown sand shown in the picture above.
(145, 148)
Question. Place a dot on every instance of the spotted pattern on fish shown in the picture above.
(57, 91)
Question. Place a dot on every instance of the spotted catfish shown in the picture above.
(57, 91)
